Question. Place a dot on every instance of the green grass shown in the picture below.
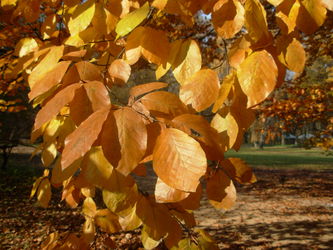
(284, 157)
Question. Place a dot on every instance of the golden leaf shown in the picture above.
(81, 17)
(257, 76)
(179, 160)
(200, 90)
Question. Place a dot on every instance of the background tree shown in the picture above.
(79, 56)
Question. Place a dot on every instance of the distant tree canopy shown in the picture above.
(75, 56)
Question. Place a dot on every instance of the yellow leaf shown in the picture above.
(275, 2)
(287, 15)
(292, 53)
(221, 191)
(121, 202)
(49, 154)
(147, 241)
(35, 186)
(8, 3)
(132, 20)
(257, 76)
(104, 22)
(51, 79)
(46, 64)
(89, 231)
(25, 46)
(107, 221)
(44, 193)
(53, 107)
(206, 241)
(200, 90)
(89, 207)
(59, 175)
(227, 128)
(228, 17)
(186, 60)
(172, 163)
(81, 17)
(131, 221)
(225, 88)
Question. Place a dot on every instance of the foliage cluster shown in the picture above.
(75, 54)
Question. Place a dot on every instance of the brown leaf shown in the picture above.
(221, 191)
(79, 142)
(80, 107)
(179, 160)
(257, 76)
(54, 106)
(256, 23)
(228, 17)
(200, 90)
(311, 16)
(238, 170)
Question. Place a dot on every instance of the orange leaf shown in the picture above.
(146, 88)
(199, 128)
(97, 94)
(53, 106)
(163, 103)
(228, 17)
(256, 23)
(80, 107)
(49, 80)
(119, 71)
(292, 53)
(129, 140)
(225, 88)
(200, 90)
(185, 58)
(312, 15)
(88, 71)
(152, 44)
(257, 76)
(179, 160)
(165, 193)
(79, 142)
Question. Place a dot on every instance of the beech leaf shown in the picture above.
(200, 90)
(132, 20)
(179, 160)
(78, 143)
(257, 76)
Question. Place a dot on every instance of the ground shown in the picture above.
(291, 206)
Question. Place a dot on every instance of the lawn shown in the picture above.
(289, 157)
